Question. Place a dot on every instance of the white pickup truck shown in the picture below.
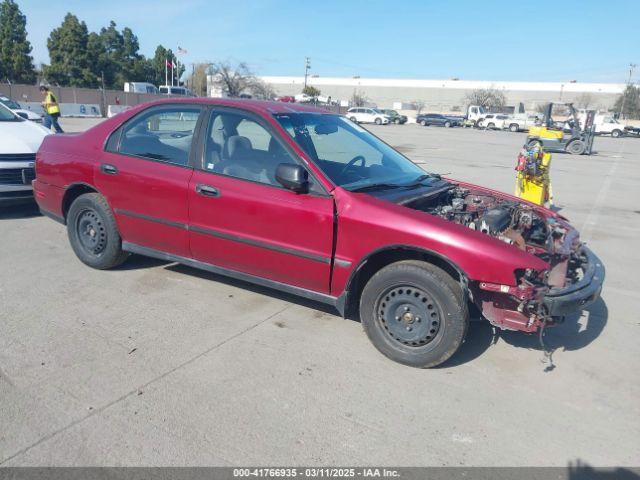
(607, 125)
(520, 122)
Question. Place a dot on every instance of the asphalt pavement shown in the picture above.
(160, 364)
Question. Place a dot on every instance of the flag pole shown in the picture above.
(166, 72)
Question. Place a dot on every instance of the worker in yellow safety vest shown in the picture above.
(51, 110)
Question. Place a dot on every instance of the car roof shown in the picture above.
(267, 107)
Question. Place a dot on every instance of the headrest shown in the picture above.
(238, 145)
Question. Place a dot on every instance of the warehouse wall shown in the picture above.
(445, 96)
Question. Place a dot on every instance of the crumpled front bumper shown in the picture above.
(573, 298)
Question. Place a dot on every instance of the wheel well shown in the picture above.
(381, 259)
(71, 194)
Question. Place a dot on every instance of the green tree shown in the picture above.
(628, 103)
(311, 91)
(70, 63)
(16, 63)
(158, 63)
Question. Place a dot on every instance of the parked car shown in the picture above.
(171, 90)
(18, 110)
(305, 201)
(141, 87)
(394, 117)
(493, 121)
(367, 115)
(19, 142)
(520, 123)
(427, 119)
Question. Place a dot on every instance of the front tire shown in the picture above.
(447, 124)
(414, 313)
(353, 119)
(616, 133)
(93, 232)
(378, 121)
(423, 123)
(577, 147)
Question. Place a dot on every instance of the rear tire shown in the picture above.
(533, 143)
(414, 313)
(447, 124)
(93, 232)
(577, 147)
(491, 126)
(353, 119)
(514, 127)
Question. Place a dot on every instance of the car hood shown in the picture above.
(21, 137)
(30, 115)
(510, 220)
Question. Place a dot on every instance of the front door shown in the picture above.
(242, 219)
(144, 173)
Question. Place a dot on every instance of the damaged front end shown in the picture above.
(572, 280)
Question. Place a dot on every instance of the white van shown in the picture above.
(140, 87)
(171, 90)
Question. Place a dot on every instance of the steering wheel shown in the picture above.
(352, 163)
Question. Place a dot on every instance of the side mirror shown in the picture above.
(293, 177)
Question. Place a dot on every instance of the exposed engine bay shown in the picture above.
(519, 224)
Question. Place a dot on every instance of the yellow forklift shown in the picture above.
(552, 137)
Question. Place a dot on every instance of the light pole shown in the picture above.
(307, 67)
(632, 67)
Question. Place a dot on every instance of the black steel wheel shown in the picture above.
(408, 315)
(414, 313)
(93, 232)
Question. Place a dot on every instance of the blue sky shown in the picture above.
(490, 40)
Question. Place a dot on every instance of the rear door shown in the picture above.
(242, 219)
(144, 173)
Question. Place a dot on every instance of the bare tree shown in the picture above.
(261, 89)
(358, 99)
(236, 80)
(584, 100)
(232, 80)
(486, 97)
(198, 79)
(418, 105)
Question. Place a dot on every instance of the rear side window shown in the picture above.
(163, 134)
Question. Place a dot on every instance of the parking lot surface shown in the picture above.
(160, 364)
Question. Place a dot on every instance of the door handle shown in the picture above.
(109, 169)
(207, 190)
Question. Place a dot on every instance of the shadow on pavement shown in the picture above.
(577, 331)
(23, 210)
(176, 267)
(136, 262)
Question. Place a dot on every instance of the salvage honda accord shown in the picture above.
(309, 203)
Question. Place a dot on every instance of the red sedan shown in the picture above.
(308, 202)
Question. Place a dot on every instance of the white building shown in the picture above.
(448, 95)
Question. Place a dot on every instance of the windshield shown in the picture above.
(9, 103)
(349, 155)
(7, 115)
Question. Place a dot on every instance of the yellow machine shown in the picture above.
(533, 181)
